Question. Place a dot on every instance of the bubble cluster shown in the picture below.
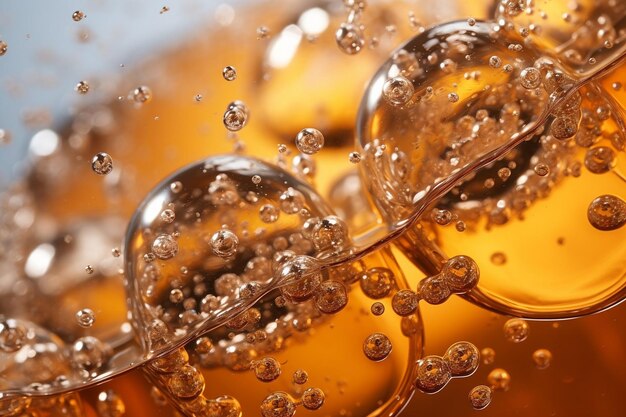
(607, 212)
(462, 359)
(102, 163)
(433, 374)
(459, 275)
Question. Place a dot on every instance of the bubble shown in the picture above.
(377, 308)
(377, 347)
(607, 212)
(176, 296)
(600, 159)
(330, 234)
(164, 246)
(116, 252)
(266, 369)
(85, 317)
(309, 141)
(89, 269)
(488, 355)
(224, 243)
(432, 374)
(313, 398)
(462, 359)
(141, 95)
(376, 283)
(291, 201)
(498, 258)
(303, 272)
(480, 397)
(350, 38)
(516, 330)
(13, 335)
(530, 78)
(89, 354)
(564, 127)
(354, 157)
(102, 163)
(278, 404)
(331, 297)
(398, 90)
(495, 61)
(110, 404)
(542, 358)
(235, 116)
(499, 379)
(256, 179)
(229, 73)
(77, 16)
(4, 47)
(168, 216)
(262, 32)
(460, 274)
(186, 382)
(176, 187)
(404, 302)
(300, 377)
(541, 169)
(82, 87)
(224, 406)
(433, 290)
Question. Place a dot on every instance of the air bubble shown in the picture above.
(541, 169)
(4, 47)
(377, 347)
(164, 247)
(488, 355)
(530, 78)
(141, 95)
(607, 212)
(236, 116)
(224, 243)
(291, 201)
(495, 61)
(480, 397)
(331, 297)
(309, 141)
(542, 358)
(516, 330)
(269, 213)
(110, 404)
(266, 369)
(102, 163)
(313, 398)
(77, 16)
(433, 374)
(462, 359)
(600, 159)
(186, 382)
(460, 274)
(377, 309)
(85, 317)
(278, 404)
(398, 90)
(376, 283)
(404, 302)
(89, 354)
(300, 377)
(229, 73)
(82, 87)
(13, 335)
(354, 157)
(168, 216)
(349, 38)
(499, 379)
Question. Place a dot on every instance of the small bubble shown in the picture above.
(291, 201)
(116, 252)
(300, 377)
(441, 217)
(256, 179)
(541, 169)
(504, 173)
(404, 302)
(377, 308)
(607, 212)
(349, 38)
(433, 290)
(110, 404)
(516, 330)
(164, 247)
(530, 78)
(309, 141)
(398, 90)
(164, 9)
(462, 359)
(102, 163)
(186, 382)
(376, 283)
(354, 157)
(176, 296)
(542, 358)
(278, 404)
(168, 216)
(269, 213)
(499, 379)
(229, 73)
(176, 187)
(235, 116)
(488, 355)
(262, 32)
(616, 86)
(331, 297)
(495, 61)
(77, 16)
(12, 336)
(89, 269)
(600, 159)
(85, 317)
(4, 47)
(82, 87)
(460, 274)
(564, 127)
(141, 94)
(453, 97)
(471, 21)
(480, 397)
(460, 226)
(89, 354)
(282, 148)
(224, 243)
(498, 258)
(198, 97)
(266, 369)
(377, 347)
(432, 374)
(313, 398)
(5, 137)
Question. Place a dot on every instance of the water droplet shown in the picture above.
(607, 212)
(85, 317)
(377, 347)
(313, 398)
(278, 404)
(164, 247)
(102, 163)
(480, 397)
(398, 90)
(141, 94)
(542, 358)
(516, 330)
(309, 141)
(229, 73)
(266, 369)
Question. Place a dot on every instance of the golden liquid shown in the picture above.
(587, 371)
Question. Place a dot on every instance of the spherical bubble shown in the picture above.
(292, 201)
(110, 404)
(236, 116)
(516, 330)
(542, 358)
(186, 382)
(377, 347)
(229, 73)
(607, 212)
(102, 163)
(488, 355)
(398, 90)
(141, 95)
(530, 78)
(4, 47)
(168, 216)
(85, 317)
(462, 359)
(377, 308)
(433, 290)
(350, 38)
(82, 87)
(266, 369)
(278, 404)
(13, 335)
(331, 297)
(480, 397)
(460, 274)
(212, 197)
(600, 159)
(376, 283)
(432, 374)
(89, 354)
(499, 379)
(300, 377)
(269, 213)
(309, 141)
(330, 234)
(224, 406)
(404, 302)
(224, 243)
(313, 398)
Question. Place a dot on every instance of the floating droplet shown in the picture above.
(480, 397)
(309, 141)
(377, 347)
(85, 317)
(398, 90)
(266, 369)
(607, 212)
(516, 330)
(235, 116)
(102, 163)
(229, 73)
(313, 398)
(164, 247)
(542, 358)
